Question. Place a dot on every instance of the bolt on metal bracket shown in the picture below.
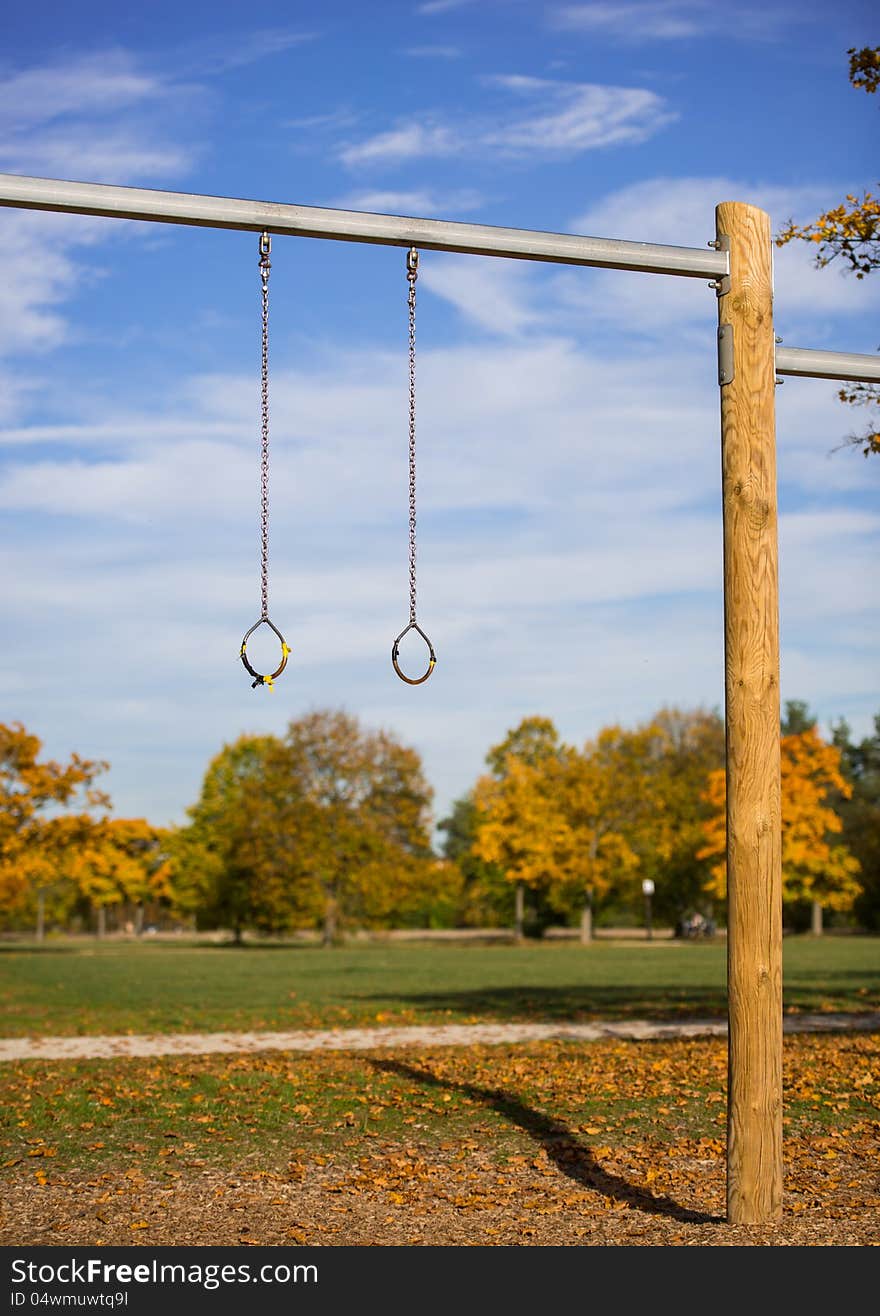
(722, 285)
(725, 354)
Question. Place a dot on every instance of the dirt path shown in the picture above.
(368, 1039)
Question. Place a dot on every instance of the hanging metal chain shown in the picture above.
(260, 678)
(265, 267)
(412, 273)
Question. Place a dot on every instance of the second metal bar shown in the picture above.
(854, 366)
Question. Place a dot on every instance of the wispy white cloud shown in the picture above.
(434, 52)
(39, 274)
(113, 155)
(429, 7)
(669, 20)
(99, 115)
(420, 203)
(220, 54)
(568, 118)
(559, 119)
(650, 19)
(681, 212)
(102, 84)
(338, 119)
(407, 142)
(503, 298)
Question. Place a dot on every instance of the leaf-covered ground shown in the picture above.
(603, 1142)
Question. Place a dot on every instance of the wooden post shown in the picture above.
(751, 633)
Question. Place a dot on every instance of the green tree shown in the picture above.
(215, 856)
(860, 814)
(685, 746)
(796, 718)
(534, 741)
(850, 234)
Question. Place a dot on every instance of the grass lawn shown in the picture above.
(71, 988)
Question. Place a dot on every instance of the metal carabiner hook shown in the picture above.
(259, 678)
(395, 650)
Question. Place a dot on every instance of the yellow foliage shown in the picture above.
(522, 828)
(814, 868)
(120, 859)
(579, 824)
(34, 846)
(850, 231)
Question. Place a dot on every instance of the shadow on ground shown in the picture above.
(571, 1156)
(580, 1002)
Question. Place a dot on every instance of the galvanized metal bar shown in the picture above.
(828, 365)
(357, 226)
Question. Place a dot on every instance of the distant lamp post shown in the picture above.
(647, 892)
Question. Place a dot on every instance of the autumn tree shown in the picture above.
(849, 234)
(635, 811)
(817, 870)
(121, 861)
(518, 828)
(579, 827)
(328, 824)
(36, 837)
(486, 897)
(606, 795)
(523, 830)
(368, 802)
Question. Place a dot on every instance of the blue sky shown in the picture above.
(569, 514)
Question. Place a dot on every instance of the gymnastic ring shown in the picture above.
(432, 658)
(259, 678)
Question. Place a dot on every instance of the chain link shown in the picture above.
(265, 267)
(412, 273)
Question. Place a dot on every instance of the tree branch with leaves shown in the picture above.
(850, 234)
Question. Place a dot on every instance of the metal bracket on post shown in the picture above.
(725, 354)
(722, 285)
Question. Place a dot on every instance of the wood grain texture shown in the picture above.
(751, 629)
